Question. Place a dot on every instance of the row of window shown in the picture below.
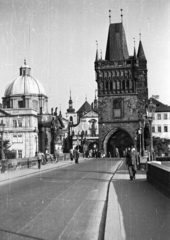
(160, 129)
(18, 153)
(159, 116)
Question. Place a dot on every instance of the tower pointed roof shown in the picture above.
(116, 48)
(70, 109)
(97, 56)
(134, 54)
(141, 54)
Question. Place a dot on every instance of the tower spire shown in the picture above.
(109, 16)
(121, 15)
(134, 54)
(100, 54)
(97, 57)
(70, 109)
(139, 35)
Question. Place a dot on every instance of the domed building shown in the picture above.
(25, 115)
(25, 92)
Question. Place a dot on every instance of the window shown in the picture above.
(165, 128)
(17, 138)
(14, 138)
(35, 105)
(117, 108)
(159, 128)
(14, 123)
(17, 122)
(118, 85)
(71, 119)
(165, 116)
(114, 85)
(19, 153)
(20, 104)
(153, 128)
(159, 116)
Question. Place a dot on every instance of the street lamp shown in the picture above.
(2, 125)
(36, 137)
(150, 115)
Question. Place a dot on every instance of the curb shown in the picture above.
(37, 171)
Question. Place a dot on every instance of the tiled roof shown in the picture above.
(160, 107)
(84, 108)
(116, 43)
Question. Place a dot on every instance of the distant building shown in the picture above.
(83, 134)
(161, 122)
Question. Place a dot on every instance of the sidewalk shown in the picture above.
(136, 210)
(12, 175)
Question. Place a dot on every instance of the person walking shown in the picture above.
(76, 155)
(134, 157)
(71, 155)
(39, 158)
(55, 156)
(129, 163)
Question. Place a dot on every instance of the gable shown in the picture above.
(91, 114)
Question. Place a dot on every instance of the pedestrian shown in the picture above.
(134, 157)
(55, 156)
(39, 158)
(71, 155)
(76, 155)
(129, 163)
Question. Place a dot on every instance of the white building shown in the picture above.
(161, 122)
(23, 100)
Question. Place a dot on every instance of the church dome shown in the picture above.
(25, 84)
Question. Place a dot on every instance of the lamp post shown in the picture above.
(150, 114)
(2, 125)
(36, 138)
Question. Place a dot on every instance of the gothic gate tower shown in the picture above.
(122, 92)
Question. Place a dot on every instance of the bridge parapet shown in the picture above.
(158, 174)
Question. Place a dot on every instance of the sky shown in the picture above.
(58, 40)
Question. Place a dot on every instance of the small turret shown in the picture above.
(70, 109)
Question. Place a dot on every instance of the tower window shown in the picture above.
(114, 85)
(118, 85)
(107, 85)
(117, 108)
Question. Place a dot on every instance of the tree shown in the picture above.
(9, 154)
(161, 146)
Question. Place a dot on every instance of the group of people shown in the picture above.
(131, 161)
(74, 155)
(44, 158)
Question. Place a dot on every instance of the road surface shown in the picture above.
(65, 203)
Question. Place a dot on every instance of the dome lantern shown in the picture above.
(25, 70)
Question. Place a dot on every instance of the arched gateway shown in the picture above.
(116, 141)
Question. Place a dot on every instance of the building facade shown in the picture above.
(28, 125)
(122, 92)
(83, 127)
(161, 121)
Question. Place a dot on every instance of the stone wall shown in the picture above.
(159, 176)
